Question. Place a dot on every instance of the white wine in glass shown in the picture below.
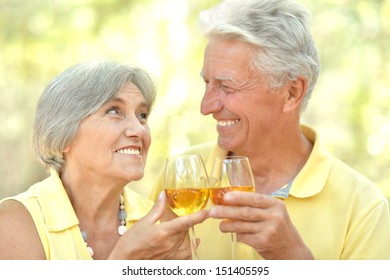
(186, 188)
(230, 173)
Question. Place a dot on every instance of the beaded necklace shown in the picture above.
(122, 215)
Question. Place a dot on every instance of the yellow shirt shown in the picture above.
(338, 212)
(57, 223)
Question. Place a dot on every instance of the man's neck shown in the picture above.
(276, 166)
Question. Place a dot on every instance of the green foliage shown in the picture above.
(40, 38)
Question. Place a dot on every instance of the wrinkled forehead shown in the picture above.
(227, 59)
(130, 93)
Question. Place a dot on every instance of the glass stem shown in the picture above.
(193, 244)
(234, 245)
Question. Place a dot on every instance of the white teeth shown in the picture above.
(227, 123)
(128, 151)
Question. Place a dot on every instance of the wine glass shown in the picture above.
(186, 188)
(230, 173)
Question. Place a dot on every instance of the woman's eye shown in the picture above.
(112, 111)
(143, 116)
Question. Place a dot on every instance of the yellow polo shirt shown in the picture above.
(339, 213)
(57, 223)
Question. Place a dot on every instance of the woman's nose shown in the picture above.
(134, 128)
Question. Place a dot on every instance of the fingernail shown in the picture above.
(161, 196)
(212, 211)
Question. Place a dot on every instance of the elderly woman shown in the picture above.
(91, 133)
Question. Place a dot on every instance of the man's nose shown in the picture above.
(212, 100)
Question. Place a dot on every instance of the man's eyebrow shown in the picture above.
(226, 78)
(221, 78)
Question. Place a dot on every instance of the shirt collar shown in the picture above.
(53, 200)
(58, 211)
(312, 177)
(136, 205)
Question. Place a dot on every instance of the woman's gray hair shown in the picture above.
(279, 28)
(73, 95)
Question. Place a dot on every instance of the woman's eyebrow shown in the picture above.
(116, 99)
(120, 100)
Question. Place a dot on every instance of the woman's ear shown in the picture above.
(296, 92)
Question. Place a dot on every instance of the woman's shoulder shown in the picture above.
(19, 238)
(11, 207)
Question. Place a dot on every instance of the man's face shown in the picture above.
(238, 96)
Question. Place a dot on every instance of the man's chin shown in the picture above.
(225, 144)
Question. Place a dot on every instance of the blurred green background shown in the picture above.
(41, 38)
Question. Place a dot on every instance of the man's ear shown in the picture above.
(296, 92)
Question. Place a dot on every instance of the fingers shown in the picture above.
(175, 235)
(250, 207)
(257, 200)
(245, 213)
(241, 226)
(184, 223)
(156, 212)
(168, 215)
(172, 223)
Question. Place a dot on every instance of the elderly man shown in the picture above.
(260, 68)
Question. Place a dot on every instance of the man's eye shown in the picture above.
(227, 89)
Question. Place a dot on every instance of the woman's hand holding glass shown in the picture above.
(186, 188)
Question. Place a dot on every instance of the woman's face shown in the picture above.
(112, 144)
